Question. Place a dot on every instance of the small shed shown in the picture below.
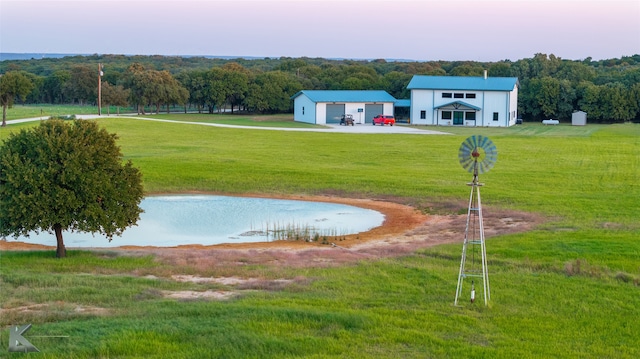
(579, 118)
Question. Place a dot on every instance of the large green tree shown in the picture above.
(13, 84)
(62, 176)
(271, 92)
(53, 86)
(114, 95)
(82, 85)
(195, 82)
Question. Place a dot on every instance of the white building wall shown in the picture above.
(513, 106)
(321, 113)
(349, 108)
(504, 103)
(422, 100)
(304, 110)
(495, 102)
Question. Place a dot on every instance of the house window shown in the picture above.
(470, 116)
(446, 115)
(458, 95)
(495, 116)
(446, 95)
(303, 110)
(471, 95)
(423, 115)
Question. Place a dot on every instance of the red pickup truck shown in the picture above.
(384, 120)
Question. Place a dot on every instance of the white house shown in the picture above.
(464, 101)
(327, 107)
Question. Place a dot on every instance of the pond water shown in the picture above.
(170, 221)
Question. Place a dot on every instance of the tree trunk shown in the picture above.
(4, 115)
(61, 251)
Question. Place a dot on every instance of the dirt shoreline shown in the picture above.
(404, 229)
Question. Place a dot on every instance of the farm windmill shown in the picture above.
(477, 155)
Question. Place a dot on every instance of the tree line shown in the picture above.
(550, 87)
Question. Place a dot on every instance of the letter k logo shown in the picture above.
(17, 343)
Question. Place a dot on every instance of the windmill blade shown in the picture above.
(477, 152)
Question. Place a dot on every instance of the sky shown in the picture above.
(420, 30)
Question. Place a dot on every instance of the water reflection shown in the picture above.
(179, 220)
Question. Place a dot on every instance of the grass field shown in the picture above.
(568, 289)
(46, 110)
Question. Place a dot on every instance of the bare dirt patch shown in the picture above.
(195, 295)
(404, 230)
(49, 310)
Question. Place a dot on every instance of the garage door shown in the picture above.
(371, 111)
(334, 112)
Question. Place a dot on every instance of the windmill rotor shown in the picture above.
(477, 154)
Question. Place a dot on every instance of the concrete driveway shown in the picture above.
(369, 128)
(358, 128)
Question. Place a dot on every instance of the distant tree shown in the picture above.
(635, 96)
(215, 92)
(566, 101)
(66, 176)
(53, 86)
(541, 97)
(36, 95)
(500, 69)
(13, 84)
(395, 83)
(575, 72)
(135, 80)
(618, 105)
(237, 86)
(467, 70)
(82, 85)
(195, 82)
(589, 100)
(271, 92)
(114, 95)
(164, 89)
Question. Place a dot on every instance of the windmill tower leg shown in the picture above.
(461, 273)
(474, 238)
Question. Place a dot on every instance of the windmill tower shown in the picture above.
(477, 155)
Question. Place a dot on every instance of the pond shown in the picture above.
(170, 221)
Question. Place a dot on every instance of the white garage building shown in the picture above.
(327, 107)
(464, 101)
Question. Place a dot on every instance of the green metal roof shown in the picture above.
(468, 83)
(346, 96)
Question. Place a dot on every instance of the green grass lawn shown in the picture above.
(47, 110)
(568, 289)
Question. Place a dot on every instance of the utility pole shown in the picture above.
(100, 67)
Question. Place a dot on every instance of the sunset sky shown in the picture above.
(421, 30)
